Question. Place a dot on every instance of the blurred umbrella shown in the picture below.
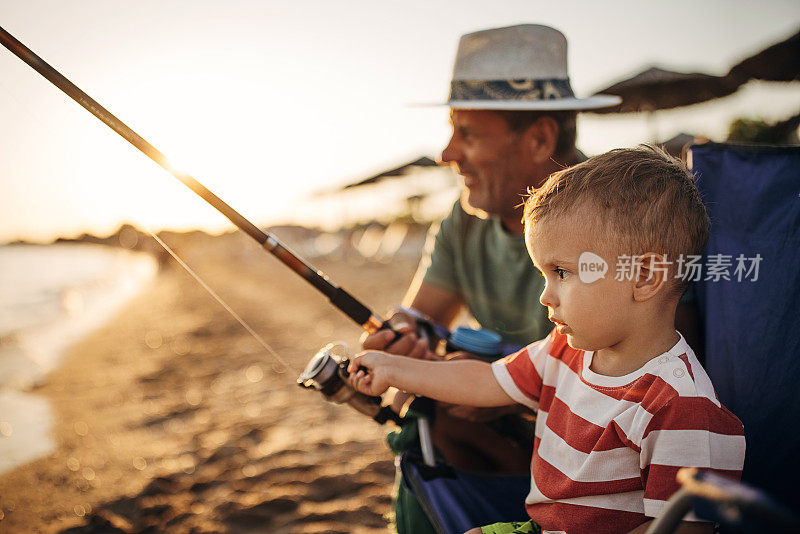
(778, 63)
(397, 171)
(657, 88)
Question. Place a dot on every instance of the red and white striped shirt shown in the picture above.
(607, 448)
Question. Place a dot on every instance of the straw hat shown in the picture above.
(520, 67)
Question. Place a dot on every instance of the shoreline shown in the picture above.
(25, 429)
(171, 416)
(67, 311)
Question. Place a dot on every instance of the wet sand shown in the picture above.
(172, 418)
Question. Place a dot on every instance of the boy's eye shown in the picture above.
(561, 273)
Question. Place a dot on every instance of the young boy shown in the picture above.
(622, 401)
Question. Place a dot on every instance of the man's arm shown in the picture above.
(440, 305)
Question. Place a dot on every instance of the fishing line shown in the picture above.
(225, 305)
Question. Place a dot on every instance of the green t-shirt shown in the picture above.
(490, 270)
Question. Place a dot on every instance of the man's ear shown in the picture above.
(541, 138)
(653, 275)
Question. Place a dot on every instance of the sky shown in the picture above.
(268, 102)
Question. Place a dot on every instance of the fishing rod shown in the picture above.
(325, 373)
(340, 298)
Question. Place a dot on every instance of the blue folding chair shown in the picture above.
(752, 319)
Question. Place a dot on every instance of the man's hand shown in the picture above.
(409, 344)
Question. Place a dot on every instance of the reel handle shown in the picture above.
(345, 374)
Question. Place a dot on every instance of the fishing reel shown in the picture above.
(326, 372)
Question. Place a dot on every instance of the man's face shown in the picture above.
(593, 315)
(495, 162)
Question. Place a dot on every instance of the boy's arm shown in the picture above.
(468, 382)
(685, 527)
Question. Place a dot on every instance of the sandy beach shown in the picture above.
(172, 417)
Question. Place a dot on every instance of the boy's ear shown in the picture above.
(541, 138)
(652, 278)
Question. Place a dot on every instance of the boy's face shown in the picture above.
(593, 314)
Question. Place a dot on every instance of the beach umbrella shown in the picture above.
(423, 161)
(656, 88)
(778, 63)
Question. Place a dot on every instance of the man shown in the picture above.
(513, 117)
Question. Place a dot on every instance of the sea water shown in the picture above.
(51, 296)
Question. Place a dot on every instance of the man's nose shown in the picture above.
(451, 153)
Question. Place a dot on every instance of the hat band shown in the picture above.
(505, 90)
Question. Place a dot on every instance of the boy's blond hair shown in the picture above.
(639, 200)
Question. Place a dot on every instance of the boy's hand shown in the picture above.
(369, 372)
